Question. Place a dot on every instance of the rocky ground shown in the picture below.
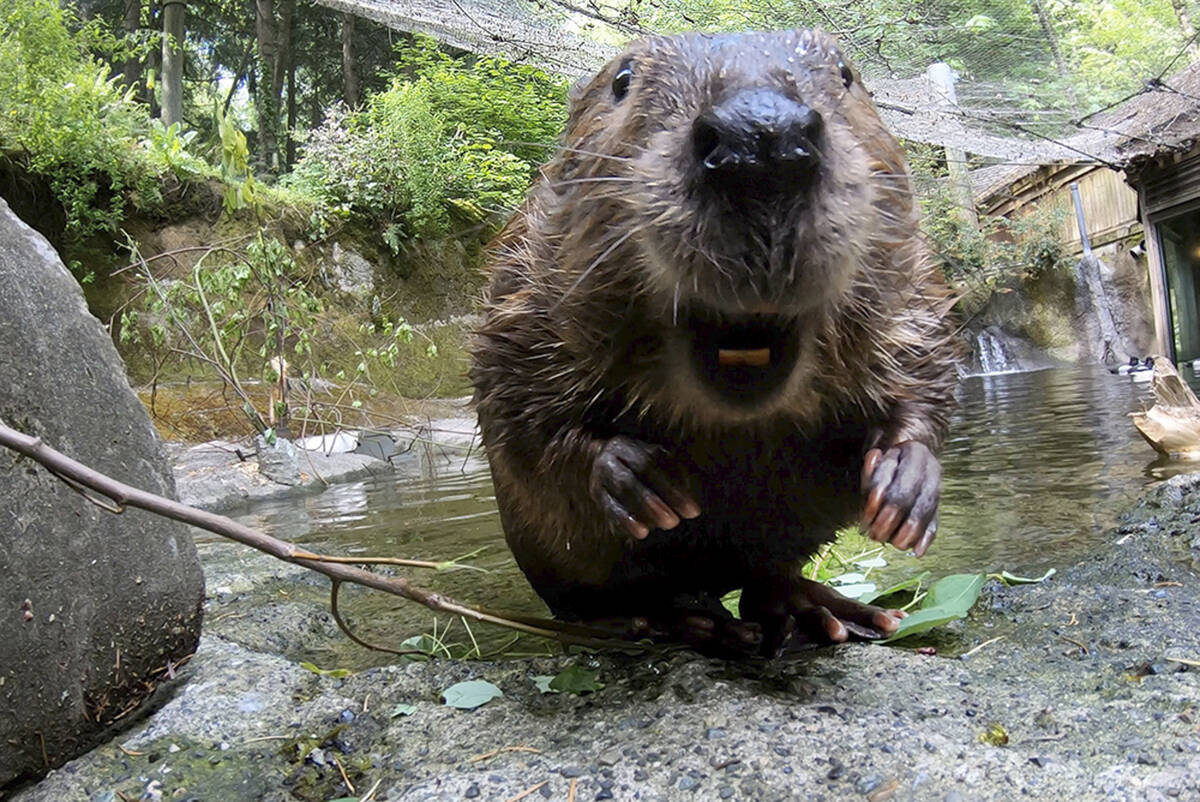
(1087, 686)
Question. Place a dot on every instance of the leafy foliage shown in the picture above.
(62, 117)
(236, 311)
(448, 139)
(993, 251)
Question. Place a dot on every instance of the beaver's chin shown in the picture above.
(746, 358)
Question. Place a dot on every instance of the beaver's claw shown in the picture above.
(794, 612)
(902, 485)
(637, 488)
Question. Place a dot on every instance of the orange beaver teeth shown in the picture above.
(757, 357)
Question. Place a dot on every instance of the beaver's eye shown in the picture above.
(621, 80)
(846, 73)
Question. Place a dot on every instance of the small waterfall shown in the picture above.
(993, 354)
(996, 351)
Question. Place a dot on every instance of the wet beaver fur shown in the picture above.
(712, 337)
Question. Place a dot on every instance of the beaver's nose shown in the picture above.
(757, 134)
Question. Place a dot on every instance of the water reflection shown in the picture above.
(1037, 466)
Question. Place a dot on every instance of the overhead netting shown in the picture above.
(1032, 87)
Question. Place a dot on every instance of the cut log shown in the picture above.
(1172, 425)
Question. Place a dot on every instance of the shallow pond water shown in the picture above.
(1037, 467)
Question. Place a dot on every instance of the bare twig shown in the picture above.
(494, 752)
(342, 771)
(337, 616)
(970, 652)
(123, 495)
(526, 792)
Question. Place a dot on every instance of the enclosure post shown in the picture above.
(942, 78)
(172, 61)
(1083, 235)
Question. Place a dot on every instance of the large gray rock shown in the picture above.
(95, 608)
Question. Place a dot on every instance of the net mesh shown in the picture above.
(1020, 100)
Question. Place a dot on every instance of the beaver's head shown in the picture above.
(742, 173)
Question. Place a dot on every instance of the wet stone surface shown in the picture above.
(1085, 684)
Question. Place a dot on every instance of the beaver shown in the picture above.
(712, 336)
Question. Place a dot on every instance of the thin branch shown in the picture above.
(337, 616)
(123, 495)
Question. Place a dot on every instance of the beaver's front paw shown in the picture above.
(902, 485)
(638, 488)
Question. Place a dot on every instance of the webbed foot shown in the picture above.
(794, 612)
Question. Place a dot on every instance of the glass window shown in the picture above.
(1179, 237)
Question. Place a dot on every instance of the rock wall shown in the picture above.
(95, 608)
(1066, 316)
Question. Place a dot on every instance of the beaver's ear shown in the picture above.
(578, 89)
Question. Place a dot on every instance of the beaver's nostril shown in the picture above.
(758, 134)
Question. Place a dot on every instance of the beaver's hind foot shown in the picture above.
(794, 612)
(698, 621)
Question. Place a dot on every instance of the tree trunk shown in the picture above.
(1043, 17)
(1185, 25)
(172, 61)
(285, 72)
(153, 71)
(349, 69)
(132, 69)
(291, 108)
(266, 100)
(274, 54)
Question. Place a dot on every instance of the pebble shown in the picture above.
(688, 782)
(714, 732)
(725, 793)
(472, 791)
(609, 757)
(869, 783)
(571, 771)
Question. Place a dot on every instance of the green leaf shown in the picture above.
(403, 709)
(422, 643)
(1013, 579)
(336, 673)
(856, 590)
(732, 601)
(576, 679)
(542, 683)
(949, 599)
(470, 695)
(957, 592)
(911, 582)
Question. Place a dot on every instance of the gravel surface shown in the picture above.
(1081, 688)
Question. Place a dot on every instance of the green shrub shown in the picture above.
(447, 141)
(64, 118)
